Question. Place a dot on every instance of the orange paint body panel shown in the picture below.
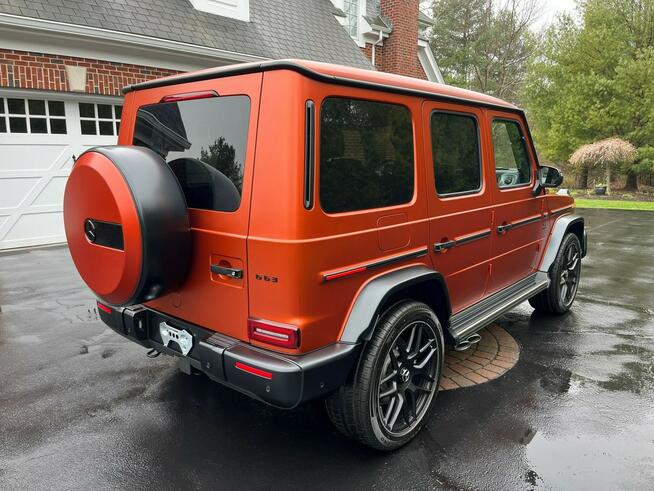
(284, 249)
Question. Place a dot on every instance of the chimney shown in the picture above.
(400, 49)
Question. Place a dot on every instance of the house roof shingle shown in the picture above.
(277, 29)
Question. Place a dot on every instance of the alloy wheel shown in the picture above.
(569, 274)
(408, 378)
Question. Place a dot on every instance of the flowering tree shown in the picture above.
(608, 153)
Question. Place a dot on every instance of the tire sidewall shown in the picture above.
(415, 311)
(556, 272)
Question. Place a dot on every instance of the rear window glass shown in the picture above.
(366, 155)
(203, 141)
(455, 150)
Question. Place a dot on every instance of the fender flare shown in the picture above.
(367, 307)
(561, 227)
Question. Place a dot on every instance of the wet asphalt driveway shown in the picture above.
(81, 408)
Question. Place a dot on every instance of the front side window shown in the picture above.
(512, 166)
(366, 155)
(455, 152)
(203, 141)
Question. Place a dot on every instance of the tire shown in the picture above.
(565, 274)
(392, 368)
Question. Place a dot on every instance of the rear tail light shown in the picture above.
(268, 332)
(104, 308)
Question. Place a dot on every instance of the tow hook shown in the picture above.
(153, 353)
(467, 342)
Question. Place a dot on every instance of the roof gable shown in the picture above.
(277, 28)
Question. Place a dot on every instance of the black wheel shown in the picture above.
(395, 383)
(564, 279)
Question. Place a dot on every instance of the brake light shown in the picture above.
(274, 333)
(253, 370)
(189, 96)
(104, 308)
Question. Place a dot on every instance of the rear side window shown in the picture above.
(366, 155)
(203, 141)
(455, 151)
(512, 166)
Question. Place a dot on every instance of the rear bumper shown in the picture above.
(282, 380)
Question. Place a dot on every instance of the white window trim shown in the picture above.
(428, 62)
(97, 119)
(6, 115)
(362, 24)
(236, 9)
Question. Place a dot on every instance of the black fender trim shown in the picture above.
(561, 227)
(368, 306)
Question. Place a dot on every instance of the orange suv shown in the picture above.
(298, 230)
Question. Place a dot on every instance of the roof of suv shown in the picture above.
(341, 75)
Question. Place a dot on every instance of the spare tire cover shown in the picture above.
(127, 224)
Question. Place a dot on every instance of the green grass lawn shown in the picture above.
(614, 204)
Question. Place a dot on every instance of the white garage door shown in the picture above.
(39, 137)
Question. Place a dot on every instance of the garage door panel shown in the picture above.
(34, 167)
(52, 194)
(30, 156)
(50, 226)
(13, 191)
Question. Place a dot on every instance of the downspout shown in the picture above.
(381, 37)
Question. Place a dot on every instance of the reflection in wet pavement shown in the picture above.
(84, 409)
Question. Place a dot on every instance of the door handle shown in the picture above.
(231, 272)
(504, 228)
(444, 246)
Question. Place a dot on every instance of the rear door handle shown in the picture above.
(231, 272)
(504, 228)
(444, 246)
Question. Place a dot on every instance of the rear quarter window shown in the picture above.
(366, 155)
(203, 141)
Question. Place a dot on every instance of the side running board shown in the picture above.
(467, 322)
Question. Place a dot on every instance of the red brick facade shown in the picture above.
(28, 70)
(399, 54)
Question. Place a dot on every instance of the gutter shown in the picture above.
(107, 35)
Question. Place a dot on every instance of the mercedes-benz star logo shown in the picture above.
(89, 230)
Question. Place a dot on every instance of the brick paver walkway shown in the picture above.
(494, 355)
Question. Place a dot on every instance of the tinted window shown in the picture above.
(366, 155)
(204, 142)
(512, 166)
(455, 150)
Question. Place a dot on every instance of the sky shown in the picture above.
(549, 10)
(552, 7)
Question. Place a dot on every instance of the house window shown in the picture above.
(351, 10)
(34, 116)
(99, 119)
(366, 155)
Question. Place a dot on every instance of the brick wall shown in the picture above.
(379, 55)
(400, 50)
(28, 70)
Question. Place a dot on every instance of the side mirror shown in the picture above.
(549, 177)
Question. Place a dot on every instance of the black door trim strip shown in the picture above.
(502, 229)
(466, 239)
(376, 264)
